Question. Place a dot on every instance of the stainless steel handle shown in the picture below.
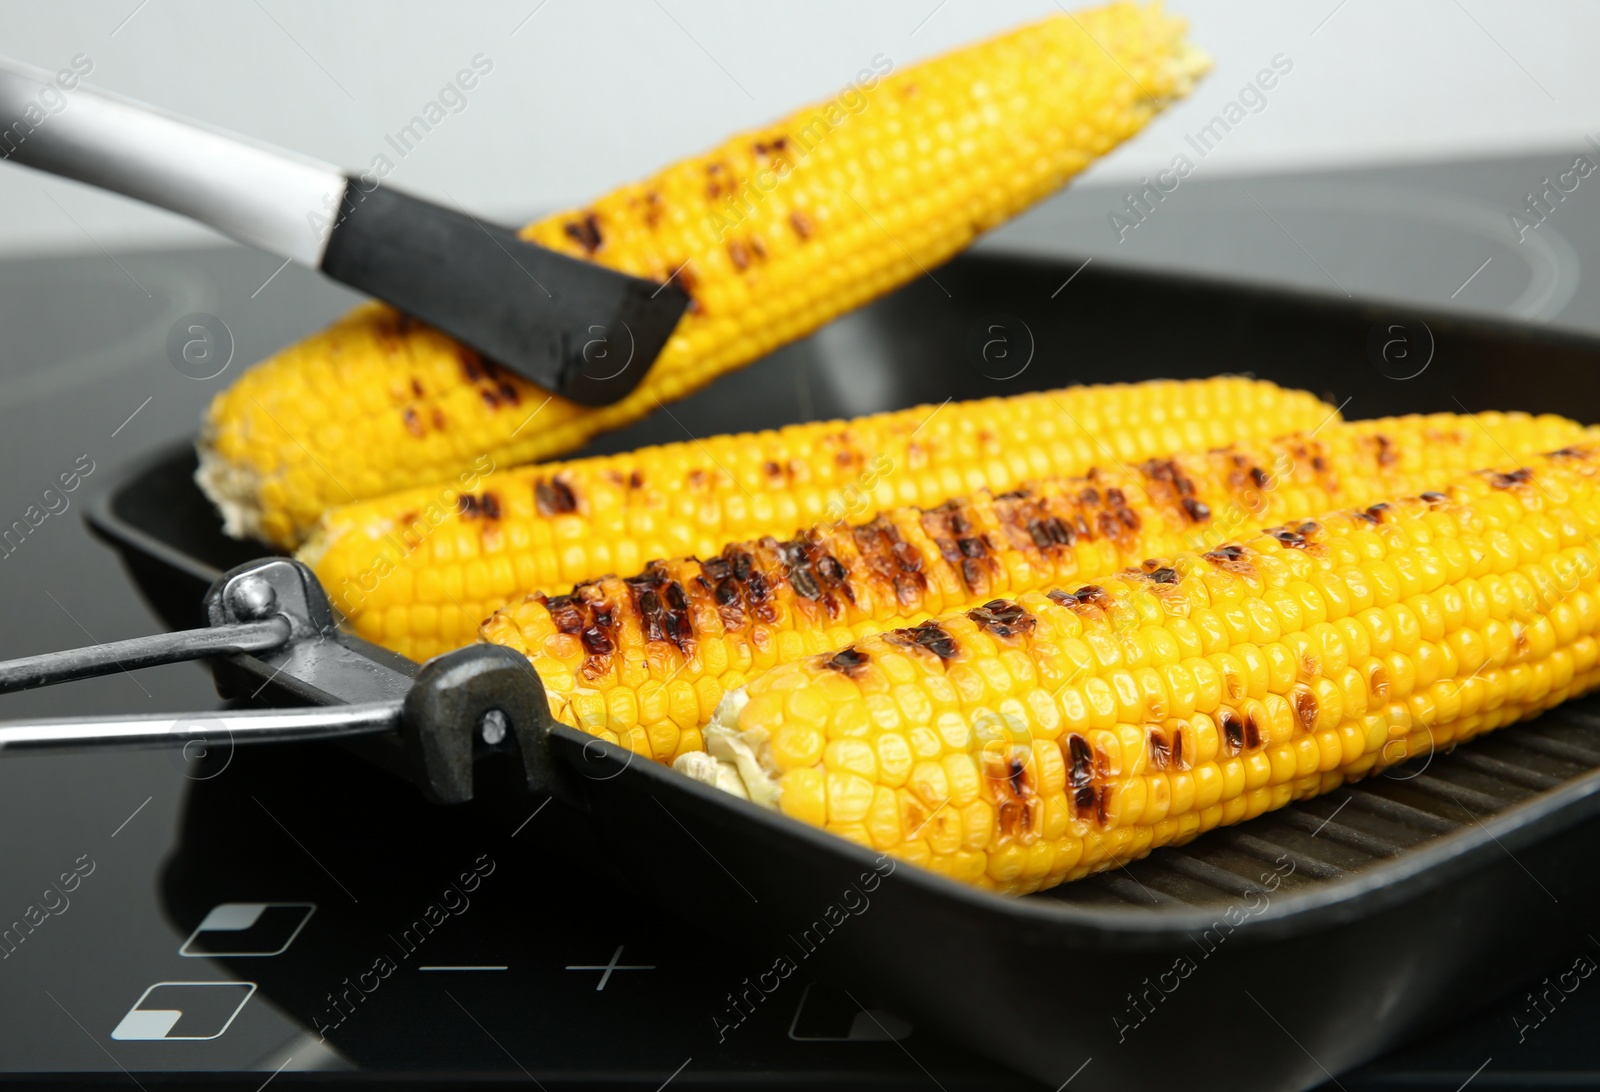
(180, 729)
(158, 648)
(255, 193)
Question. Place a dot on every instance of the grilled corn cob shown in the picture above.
(772, 234)
(645, 660)
(1036, 740)
(420, 570)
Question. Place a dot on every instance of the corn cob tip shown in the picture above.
(1188, 65)
(739, 762)
(232, 488)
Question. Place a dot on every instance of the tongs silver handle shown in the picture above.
(262, 610)
(175, 729)
(250, 191)
(158, 648)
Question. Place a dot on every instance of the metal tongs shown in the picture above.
(271, 630)
(536, 311)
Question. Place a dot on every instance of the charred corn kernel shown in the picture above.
(1152, 780)
(692, 498)
(888, 572)
(772, 234)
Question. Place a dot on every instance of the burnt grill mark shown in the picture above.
(804, 583)
(489, 505)
(1258, 476)
(585, 232)
(1085, 801)
(1178, 761)
(972, 573)
(1049, 532)
(1003, 618)
(651, 614)
(413, 423)
(1165, 575)
(596, 641)
(906, 556)
(930, 637)
(436, 415)
(1198, 511)
(416, 387)
(740, 255)
(1252, 733)
(1376, 512)
(468, 506)
(1232, 732)
(636, 480)
(1090, 595)
(1080, 761)
(908, 588)
(1571, 453)
(1434, 499)
(847, 661)
(1387, 456)
(554, 497)
(566, 613)
(1305, 708)
(1090, 496)
(759, 591)
(1289, 538)
(1520, 476)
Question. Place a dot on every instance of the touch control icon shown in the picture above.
(248, 929)
(184, 1010)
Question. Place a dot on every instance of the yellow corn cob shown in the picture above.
(645, 660)
(418, 571)
(773, 234)
(1033, 741)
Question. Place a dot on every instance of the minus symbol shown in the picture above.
(468, 967)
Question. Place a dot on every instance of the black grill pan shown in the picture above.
(1273, 955)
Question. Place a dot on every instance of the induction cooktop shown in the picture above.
(287, 915)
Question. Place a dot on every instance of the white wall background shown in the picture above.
(587, 93)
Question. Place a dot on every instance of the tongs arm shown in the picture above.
(136, 652)
(271, 625)
(233, 725)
